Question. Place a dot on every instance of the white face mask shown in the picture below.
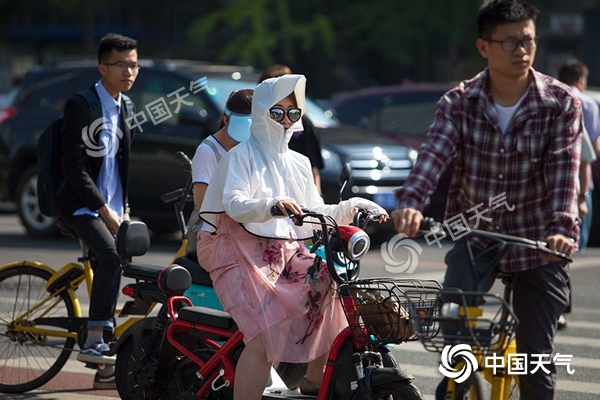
(238, 127)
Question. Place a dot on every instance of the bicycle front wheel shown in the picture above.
(470, 389)
(29, 357)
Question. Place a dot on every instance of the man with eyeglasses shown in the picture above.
(93, 202)
(516, 133)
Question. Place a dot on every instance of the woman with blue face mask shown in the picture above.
(234, 128)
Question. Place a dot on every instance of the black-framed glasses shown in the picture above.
(511, 45)
(277, 114)
(122, 65)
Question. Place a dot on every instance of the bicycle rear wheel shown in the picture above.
(29, 359)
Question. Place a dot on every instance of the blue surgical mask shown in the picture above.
(238, 127)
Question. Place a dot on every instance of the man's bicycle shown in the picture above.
(40, 313)
(475, 331)
(41, 320)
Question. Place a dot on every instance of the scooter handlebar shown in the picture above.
(184, 160)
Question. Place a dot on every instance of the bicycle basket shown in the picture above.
(487, 329)
(377, 310)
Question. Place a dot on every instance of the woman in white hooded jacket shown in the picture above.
(258, 263)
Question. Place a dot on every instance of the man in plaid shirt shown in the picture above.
(515, 136)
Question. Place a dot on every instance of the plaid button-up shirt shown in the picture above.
(523, 183)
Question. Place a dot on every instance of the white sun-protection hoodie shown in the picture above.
(256, 174)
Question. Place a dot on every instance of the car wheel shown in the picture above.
(36, 223)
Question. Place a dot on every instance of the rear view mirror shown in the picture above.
(345, 174)
(344, 178)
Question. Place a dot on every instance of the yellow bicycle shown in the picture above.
(40, 320)
(476, 343)
(40, 314)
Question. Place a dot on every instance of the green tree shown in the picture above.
(413, 34)
(388, 38)
(261, 32)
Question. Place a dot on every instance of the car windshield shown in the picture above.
(219, 89)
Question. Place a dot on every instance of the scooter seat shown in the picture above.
(144, 272)
(207, 316)
(199, 275)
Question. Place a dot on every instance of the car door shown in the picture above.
(38, 105)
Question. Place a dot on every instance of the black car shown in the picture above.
(169, 126)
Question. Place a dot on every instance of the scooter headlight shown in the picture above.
(357, 242)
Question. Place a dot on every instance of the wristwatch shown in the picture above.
(583, 196)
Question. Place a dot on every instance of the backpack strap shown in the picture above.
(128, 111)
(93, 102)
(95, 107)
(128, 105)
(211, 144)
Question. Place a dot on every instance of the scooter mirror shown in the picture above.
(345, 174)
(344, 178)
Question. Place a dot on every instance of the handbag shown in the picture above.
(383, 317)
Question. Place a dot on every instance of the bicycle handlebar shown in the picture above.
(330, 229)
(172, 195)
(429, 224)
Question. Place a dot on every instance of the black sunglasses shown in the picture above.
(277, 114)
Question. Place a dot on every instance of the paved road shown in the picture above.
(581, 339)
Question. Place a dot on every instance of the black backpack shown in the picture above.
(51, 178)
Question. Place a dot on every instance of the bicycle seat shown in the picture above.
(145, 272)
(199, 275)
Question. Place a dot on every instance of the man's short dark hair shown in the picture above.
(498, 12)
(572, 71)
(114, 41)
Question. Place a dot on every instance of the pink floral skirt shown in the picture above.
(274, 288)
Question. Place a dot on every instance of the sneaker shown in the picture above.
(562, 323)
(94, 354)
(103, 381)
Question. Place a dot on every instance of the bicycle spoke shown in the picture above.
(28, 358)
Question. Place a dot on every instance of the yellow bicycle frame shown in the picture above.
(501, 381)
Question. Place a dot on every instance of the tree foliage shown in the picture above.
(255, 31)
(383, 36)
